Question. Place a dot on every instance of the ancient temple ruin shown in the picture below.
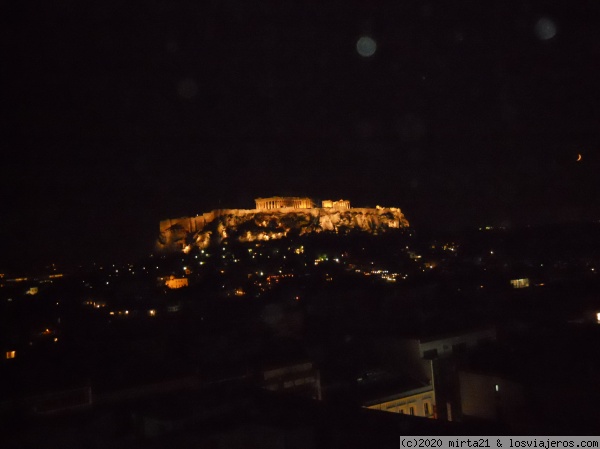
(277, 202)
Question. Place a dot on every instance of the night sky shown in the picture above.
(120, 114)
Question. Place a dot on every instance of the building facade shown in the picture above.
(339, 204)
(416, 402)
(277, 202)
(174, 282)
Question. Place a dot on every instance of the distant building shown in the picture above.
(520, 283)
(174, 282)
(278, 202)
(339, 204)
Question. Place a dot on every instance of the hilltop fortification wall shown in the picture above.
(247, 225)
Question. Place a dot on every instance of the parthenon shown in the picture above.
(277, 202)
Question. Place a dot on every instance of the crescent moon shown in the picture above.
(578, 157)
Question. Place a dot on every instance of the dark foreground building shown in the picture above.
(229, 415)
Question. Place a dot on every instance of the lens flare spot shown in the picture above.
(545, 28)
(366, 46)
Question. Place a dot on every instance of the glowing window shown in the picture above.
(11, 354)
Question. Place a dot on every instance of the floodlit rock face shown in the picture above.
(247, 225)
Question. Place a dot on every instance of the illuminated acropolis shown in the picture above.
(273, 218)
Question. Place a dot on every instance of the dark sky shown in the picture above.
(119, 114)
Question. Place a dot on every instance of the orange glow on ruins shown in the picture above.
(273, 218)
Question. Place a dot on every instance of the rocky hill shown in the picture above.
(247, 225)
